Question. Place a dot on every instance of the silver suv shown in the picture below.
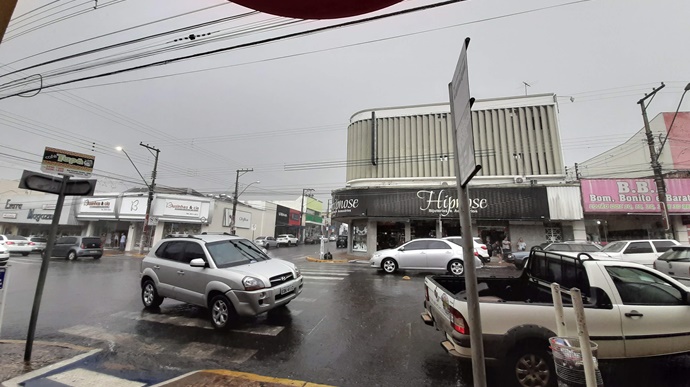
(227, 274)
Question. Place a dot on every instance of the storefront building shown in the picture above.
(32, 215)
(254, 218)
(401, 176)
(617, 209)
(287, 221)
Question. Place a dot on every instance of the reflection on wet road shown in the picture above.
(351, 326)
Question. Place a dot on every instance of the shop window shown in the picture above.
(553, 233)
(359, 236)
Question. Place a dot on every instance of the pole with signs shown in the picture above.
(465, 169)
(67, 164)
(44, 269)
(3, 289)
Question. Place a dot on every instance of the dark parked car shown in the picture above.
(341, 241)
(312, 240)
(519, 257)
(73, 247)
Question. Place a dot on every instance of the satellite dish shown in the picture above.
(316, 9)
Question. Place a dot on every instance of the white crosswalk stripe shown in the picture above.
(322, 278)
(193, 350)
(324, 272)
(263, 330)
(84, 378)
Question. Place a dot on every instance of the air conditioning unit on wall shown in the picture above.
(519, 179)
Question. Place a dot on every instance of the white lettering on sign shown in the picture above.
(345, 205)
(444, 204)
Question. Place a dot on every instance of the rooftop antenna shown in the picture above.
(526, 86)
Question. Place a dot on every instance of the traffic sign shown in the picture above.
(51, 184)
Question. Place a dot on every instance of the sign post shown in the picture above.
(68, 164)
(3, 289)
(465, 169)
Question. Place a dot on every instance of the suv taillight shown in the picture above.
(483, 247)
(458, 322)
(476, 254)
(83, 246)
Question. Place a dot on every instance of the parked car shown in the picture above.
(479, 248)
(73, 247)
(332, 238)
(643, 251)
(16, 244)
(227, 274)
(518, 257)
(341, 241)
(312, 239)
(675, 262)
(266, 242)
(4, 256)
(423, 254)
(287, 240)
(38, 244)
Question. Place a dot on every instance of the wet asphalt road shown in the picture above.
(351, 326)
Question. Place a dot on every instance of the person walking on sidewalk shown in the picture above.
(507, 246)
(123, 239)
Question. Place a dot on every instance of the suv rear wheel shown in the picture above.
(149, 295)
(72, 255)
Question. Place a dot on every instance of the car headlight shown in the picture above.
(251, 283)
(376, 255)
(297, 273)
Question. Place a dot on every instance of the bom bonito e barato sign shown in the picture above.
(634, 195)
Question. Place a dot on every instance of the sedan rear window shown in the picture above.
(614, 247)
(15, 238)
(676, 255)
(39, 240)
(234, 252)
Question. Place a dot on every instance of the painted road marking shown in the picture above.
(205, 350)
(84, 378)
(325, 272)
(322, 278)
(304, 299)
(232, 378)
(264, 330)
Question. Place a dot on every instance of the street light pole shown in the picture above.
(656, 167)
(301, 213)
(239, 172)
(149, 201)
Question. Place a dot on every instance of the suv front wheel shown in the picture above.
(222, 312)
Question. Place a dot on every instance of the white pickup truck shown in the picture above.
(632, 311)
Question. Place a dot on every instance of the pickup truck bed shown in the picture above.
(632, 311)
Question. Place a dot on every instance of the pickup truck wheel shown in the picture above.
(222, 312)
(389, 265)
(532, 367)
(456, 267)
(149, 295)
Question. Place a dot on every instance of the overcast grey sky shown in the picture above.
(289, 102)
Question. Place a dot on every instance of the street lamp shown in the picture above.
(309, 192)
(240, 172)
(151, 187)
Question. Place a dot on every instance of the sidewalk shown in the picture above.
(227, 378)
(43, 354)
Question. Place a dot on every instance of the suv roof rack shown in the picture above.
(216, 233)
(181, 236)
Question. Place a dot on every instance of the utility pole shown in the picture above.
(577, 171)
(656, 167)
(301, 212)
(239, 172)
(149, 201)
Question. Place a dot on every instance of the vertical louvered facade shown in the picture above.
(512, 137)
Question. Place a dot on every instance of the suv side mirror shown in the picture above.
(197, 262)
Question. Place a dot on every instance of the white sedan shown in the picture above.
(16, 244)
(4, 256)
(423, 254)
(676, 263)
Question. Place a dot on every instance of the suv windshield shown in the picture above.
(234, 252)
(614, 247)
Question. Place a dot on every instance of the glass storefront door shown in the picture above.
(389, 235)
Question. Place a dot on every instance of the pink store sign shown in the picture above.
(634, 195)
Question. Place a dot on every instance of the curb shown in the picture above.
(312, 259)
(233, 378)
